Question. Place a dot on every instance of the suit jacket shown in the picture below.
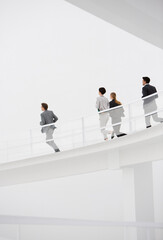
(48, 117)
(148, 90)
(116, 113)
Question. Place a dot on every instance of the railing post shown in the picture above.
(18, 232)
(125, 233)
(31, 142)
(7, 149)
(148, 233)
(83, 131)
(72, 132)
(130, 118)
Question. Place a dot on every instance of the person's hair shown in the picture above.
(102, 90)
(114, 96)
(44, 105)
(146, 79)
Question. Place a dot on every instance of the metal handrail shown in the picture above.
(28, 220)
(88, 129)
(127, 104)
(77, 133)
(83, 129)
(111, 109)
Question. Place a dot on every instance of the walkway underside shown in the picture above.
(144, 19)
(141, 147)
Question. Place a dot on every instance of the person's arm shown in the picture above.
(55, 118)
(144, 92)
(108, 104)
(98, 104)
(42, 120)
(156, 96)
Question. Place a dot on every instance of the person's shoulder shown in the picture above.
(45, 112)
(105, 98)
(152, 86)
(50, 111)
(149, 86)
(98, 98)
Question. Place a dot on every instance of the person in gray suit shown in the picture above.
(48, 117)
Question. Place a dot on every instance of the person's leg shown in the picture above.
(147, 110)
(49, 136)
(156, 118)
(148, 121)
(117, 127)
(150, 108)
(112, 134)
(103, 122)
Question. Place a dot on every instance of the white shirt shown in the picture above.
(102, 103)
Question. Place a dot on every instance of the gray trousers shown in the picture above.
(104, 118)
(117, 127)
(155, 117)
(49, 136)
(148, 108)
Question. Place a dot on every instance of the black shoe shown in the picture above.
(148, 126)
(57, 150)
(112, 137)
(121, 135)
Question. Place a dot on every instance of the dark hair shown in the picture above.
(44, 105)
(102, 90)
(114, 96)
(146, 79)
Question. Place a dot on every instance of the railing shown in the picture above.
(150, 229)
(82, 131)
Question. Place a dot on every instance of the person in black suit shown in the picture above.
(149, 104)
(116, 115)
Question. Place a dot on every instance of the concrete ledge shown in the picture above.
(144, 146)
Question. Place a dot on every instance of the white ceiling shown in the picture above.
(142, 18)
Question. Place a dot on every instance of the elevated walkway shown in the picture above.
(138, 148)
(126, 230)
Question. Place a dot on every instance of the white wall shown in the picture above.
(90, 196)
(52, 51)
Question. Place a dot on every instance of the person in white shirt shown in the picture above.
(102, 103)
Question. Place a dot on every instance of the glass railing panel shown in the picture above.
(121, 231)
(129, 118)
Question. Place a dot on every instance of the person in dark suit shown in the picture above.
(149, 104)
(116, 115)
(48, 117)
